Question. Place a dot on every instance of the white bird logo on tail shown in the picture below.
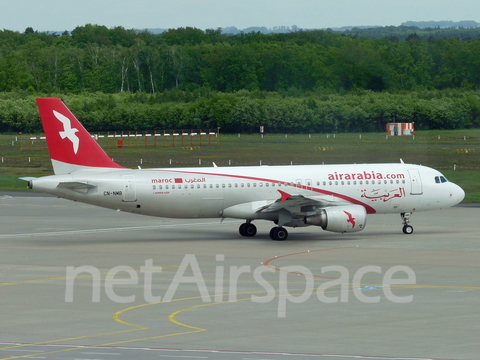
(68, 131)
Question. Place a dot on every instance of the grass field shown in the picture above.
(455, 153)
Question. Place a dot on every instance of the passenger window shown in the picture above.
(166, 186)
(242, 185)
(211, 186)
(248, 184)
(267, 184)
(154, 187)
(318, 183)
(366, 182)
(261, 184)
(160, 187)
(198, 186)
(223, 185)
(173, 186)
(355, 182)
(254, 184)
(348, 182)
(217, 186)
(329, 183)
(236, 185)
(343, 182)
(324, 183)
(229, 185)
(204, 186)
(336, 182)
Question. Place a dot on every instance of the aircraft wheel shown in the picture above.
(241, 229)
(250, 230)
(278, 233)
(408, 229)
(272, 233)
(247, 229)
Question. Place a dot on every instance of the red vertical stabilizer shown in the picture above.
(68, 141)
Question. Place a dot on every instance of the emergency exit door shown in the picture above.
(129, 191)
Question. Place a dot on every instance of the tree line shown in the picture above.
(245, 111)
(97, 59)
(303, 81)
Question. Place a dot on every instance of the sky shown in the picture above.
(59, 15)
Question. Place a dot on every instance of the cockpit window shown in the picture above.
(440, 179)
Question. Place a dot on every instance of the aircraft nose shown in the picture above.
(457, 194)
(461, 194)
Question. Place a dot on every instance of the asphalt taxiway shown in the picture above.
(49, 312)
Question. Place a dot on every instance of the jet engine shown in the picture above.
(347, 218)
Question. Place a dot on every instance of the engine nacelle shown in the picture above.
(348, 218)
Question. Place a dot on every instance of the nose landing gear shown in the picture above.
(407, 228)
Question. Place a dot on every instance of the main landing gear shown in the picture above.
(277, 233)
(247, 229)
(407, 228)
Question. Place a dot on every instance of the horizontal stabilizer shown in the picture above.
(77, 185)
(27, 178)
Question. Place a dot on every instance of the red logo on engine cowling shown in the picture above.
(350, 219)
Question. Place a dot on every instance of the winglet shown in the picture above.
(71, 146)
(285, 196)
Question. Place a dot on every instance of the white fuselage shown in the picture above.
(218, 191)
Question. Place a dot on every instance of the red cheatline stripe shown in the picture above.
(368, 208)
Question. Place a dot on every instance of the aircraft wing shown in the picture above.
(300, 204)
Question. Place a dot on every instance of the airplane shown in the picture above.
(336, 198)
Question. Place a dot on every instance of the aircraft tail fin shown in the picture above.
(71, 146)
